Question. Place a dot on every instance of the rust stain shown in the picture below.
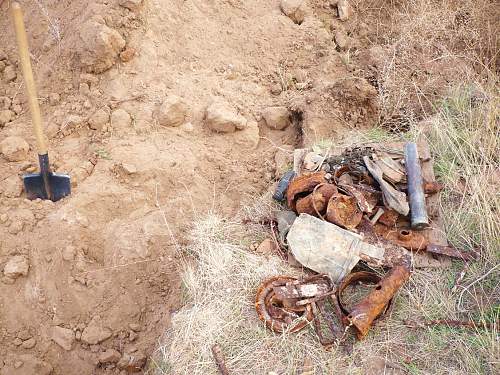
(343, 210)
(406, 238)
(315, 203)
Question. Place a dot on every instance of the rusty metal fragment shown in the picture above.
(274, 314)
(343, 210)
(373, 305)
(366, 197)
(389, 218)
(315, 203)
(303, 185)
(406, 238)
(432, 187)
(450, 251)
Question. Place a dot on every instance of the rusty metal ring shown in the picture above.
(271, 313)
(353, 278)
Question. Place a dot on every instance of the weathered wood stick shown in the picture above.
(219, 359)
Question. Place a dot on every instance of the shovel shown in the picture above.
(43, 185)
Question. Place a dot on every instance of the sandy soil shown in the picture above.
(124, 91)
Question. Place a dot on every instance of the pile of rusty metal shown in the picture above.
(375, 204)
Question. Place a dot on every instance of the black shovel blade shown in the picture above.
(60, 186)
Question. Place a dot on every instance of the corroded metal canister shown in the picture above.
(418, 210)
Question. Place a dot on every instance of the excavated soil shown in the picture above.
(98, 270)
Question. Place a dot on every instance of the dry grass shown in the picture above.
(429, 44)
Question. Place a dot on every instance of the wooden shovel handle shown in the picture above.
(24, 55)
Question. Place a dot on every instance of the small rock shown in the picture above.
(11, 187)
(6, 116)
(109, 356)
(129, 168)
(16, 266)
(24, 334)
(266, 247)
(99, 118)
(29, 344)
(16, 227)
(120, 119)
(132, 362)
(172, 112)
(4, 218)
(342, 40)
(276, 89)
(285, 221)
(95, 332)
(221, 118)
(69, 253)
(344, 10)
(294, 9)
(18, 364)
(127, 54)
(248, 137)
(135, 327)
(9, 74)
(277, 117)
(17, 108)
(5, 102)
(132, 5)
(84, 89)
(187, 127)
(64, 337)
(132, 336)
(17, 341)
(54, 98)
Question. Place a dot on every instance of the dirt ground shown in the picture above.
(98, 269)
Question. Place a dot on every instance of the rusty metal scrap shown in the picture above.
(303, 185)
(219, 359)
(451, 252)
(366, 197)
(343, 210)
(272, 312)
(315, 203)
(407, 238)
(432, 187)
(389, 218)
(375, 303)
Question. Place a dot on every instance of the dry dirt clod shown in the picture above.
(120, 119)
(294, 9)
(5, 102)
(16, 266)
(342, 40)
(132, 5)
(127, 54)
(220, 117)
(344, 10)
(95, 332)
(99, 118)
(9, 74)
(29, 344)
(11, 187)
(6, 116)
(4, 218)
(172, 112)
(109, 356)
(134, 327)
(54, 98)
(100, 46)
(277, 118)
(68, 253)
(63, 337)
(248, 137)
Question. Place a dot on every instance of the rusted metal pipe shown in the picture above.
(418, 211)
(365, 312)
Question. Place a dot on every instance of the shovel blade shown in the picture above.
(60, 186)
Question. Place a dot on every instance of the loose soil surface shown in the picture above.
(124, 88)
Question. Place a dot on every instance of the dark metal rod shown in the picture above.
(418, 210)
(45, 172)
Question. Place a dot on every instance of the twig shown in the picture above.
(219, 359)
